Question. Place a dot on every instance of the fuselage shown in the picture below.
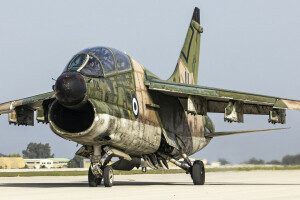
(112, 106)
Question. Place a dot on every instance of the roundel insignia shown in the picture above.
(135, 106)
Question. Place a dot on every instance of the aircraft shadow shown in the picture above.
(85, 184)
(44, 185)
(252, 184)
(128, 183)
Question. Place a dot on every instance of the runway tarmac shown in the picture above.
(219, 185)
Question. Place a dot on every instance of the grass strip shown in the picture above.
(117, 172)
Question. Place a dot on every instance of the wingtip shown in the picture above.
(196, 15)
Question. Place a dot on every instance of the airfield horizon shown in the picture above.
(174, 170)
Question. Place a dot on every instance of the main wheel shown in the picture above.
(108, 176)
(93, 180)
(198, 173)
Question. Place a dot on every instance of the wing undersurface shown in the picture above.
(217, 99)
(33, 102)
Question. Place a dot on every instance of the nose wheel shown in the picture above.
(108, 176)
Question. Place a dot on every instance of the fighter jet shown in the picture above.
(114, 107)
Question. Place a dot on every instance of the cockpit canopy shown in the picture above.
(99, 61)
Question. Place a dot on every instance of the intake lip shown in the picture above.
(70, 88)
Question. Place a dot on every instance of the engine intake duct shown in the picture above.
(70, 120)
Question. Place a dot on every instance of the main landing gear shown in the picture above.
(196, 169)
(198, 172)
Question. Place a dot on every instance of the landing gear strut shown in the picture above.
(93, 180)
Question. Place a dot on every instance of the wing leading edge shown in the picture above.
(21, 112)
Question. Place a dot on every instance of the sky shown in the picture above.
(250, 46)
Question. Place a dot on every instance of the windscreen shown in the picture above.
(86, 64)
(105, 56)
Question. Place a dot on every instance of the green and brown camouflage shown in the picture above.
(186, 70)
(124, 110)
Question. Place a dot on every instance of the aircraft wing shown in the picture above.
(200, 100)
(21, 111)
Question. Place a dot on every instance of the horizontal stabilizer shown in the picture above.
(215, 134)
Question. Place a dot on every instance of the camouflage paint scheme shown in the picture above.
(171, 116)
(111, 99)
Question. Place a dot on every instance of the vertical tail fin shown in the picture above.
(186, 70)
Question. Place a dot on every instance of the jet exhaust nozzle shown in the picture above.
(70, 89)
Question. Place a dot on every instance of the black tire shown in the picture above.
(99, 181)
(108, 176)
(198, 173)
(93, 180)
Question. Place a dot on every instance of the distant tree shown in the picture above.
(78, 160)
(2, 155)
(14, 155)
(291, 160)
(274, 162)
(223, 161)
(10, 155)
(254, 161)
(75, 162)
(72, 164)
(37, 150)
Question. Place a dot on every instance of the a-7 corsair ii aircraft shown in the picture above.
(115, 107)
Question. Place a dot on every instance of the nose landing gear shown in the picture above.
(99, 170)
(95, 178)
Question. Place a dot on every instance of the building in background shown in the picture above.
(215, 164)
(47, 163)
(60, 162)
(86, 163)
(39, 163)
(12, 162)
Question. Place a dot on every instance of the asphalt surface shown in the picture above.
(219, 185)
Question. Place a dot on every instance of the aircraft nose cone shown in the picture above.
(70, 88)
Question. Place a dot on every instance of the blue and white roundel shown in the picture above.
(135, 106)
